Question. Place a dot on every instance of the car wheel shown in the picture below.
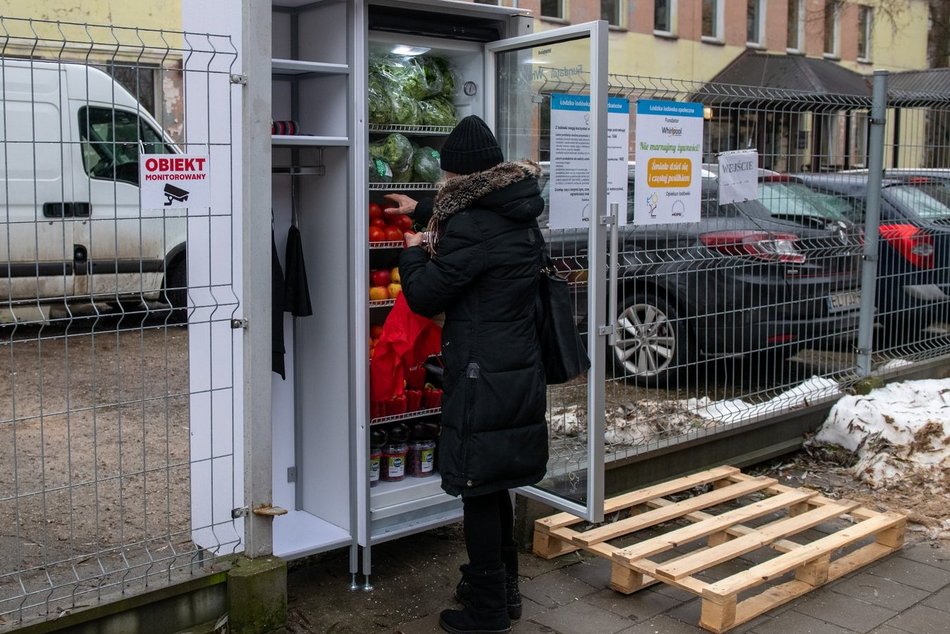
(176, 289)
(651, 341)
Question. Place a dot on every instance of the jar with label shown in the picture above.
(376, 443)
(394, 462)
(420, 462)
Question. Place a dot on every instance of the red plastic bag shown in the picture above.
(407, 340)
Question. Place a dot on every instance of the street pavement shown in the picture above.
(906, 592)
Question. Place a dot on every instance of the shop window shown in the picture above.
(552, 9)
(755, 22)
(832, 27)
(864, 33)
(712, 20)
(796, 24)
(664, 17)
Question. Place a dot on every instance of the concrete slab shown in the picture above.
(580, 617)
(881, 591)
(555, 588)
(841, 610)
(922, 618)
(638, 606)
(792, 621)
(912, 573)
(663, 624)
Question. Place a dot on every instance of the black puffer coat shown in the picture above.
(484, 277)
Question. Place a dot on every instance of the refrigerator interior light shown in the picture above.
(402, 49)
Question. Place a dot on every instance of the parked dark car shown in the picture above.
(736, 282)
(913, 281)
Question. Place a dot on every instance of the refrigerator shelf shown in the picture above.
(432, 130)
(403, 187)
(407, 416)
(394, 244)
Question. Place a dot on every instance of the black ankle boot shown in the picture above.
(512, 593)
(485, 611)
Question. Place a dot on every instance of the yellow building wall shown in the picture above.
(56, 28)
(898, 42)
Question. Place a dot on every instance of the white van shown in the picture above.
(71, 224)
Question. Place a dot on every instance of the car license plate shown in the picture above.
(848, 300)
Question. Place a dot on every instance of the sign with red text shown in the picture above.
(174, 181)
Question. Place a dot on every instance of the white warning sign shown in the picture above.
(174, 180)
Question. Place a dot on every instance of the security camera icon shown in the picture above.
(174, 194)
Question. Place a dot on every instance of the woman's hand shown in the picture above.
(414, 239)
(404, 204)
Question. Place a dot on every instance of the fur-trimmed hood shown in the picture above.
(462, 192)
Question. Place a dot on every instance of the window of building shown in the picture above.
(494, 2)
(611, 10)
(552, 9)
(712, 19)
(864, 33)
(755, 22)
(796, 22)
(832, 24)
(664, 16)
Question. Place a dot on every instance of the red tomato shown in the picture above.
(404, 222)
(376, 234)
(375, 211)
(378, 222)
(393, 234)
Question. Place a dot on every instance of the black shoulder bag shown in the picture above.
(562, 349)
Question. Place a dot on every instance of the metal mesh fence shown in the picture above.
(111, 478)
(754, 311)
(103, 310)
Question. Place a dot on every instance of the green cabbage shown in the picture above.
(425, 165)
(395, 149)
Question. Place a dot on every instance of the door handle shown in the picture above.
(66, 210)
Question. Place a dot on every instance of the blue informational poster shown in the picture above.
(569, 198)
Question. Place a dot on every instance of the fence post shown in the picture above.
(872, 221)
(256, 270)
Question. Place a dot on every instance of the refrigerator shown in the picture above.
(332, 116)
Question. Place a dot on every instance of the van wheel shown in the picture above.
(652, 341)
(176, 289)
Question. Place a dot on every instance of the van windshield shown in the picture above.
(110, 143)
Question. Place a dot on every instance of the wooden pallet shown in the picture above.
(730, 601)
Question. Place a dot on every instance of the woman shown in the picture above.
(480, 267)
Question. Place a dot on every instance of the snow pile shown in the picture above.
(811, 391)
(897, 430)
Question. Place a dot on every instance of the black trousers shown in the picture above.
(488, 524)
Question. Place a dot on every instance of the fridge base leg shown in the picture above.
(354, 584)
(367, 585)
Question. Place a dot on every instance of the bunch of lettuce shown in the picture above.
(411, 90)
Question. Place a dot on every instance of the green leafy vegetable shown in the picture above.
(395, 149)
(425, 165)
(437, 111)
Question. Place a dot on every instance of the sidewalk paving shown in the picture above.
(414, 577)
